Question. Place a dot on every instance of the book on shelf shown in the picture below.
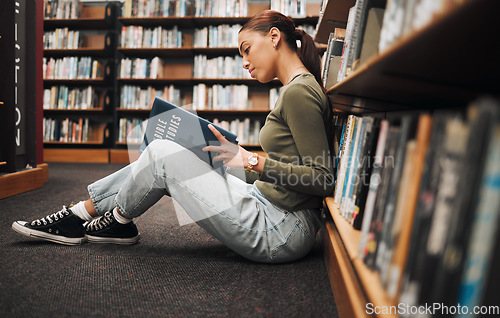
(62, 38)
(295, 8)
(215, 36)
(220, 97)
(485, 222)
(375, 181)
(137, 97)
(141, 68)
(331, 58)
(403, 17)
(63, 97)
(221, 8)
(61, 9)
(141, 37)
(168, 121)
(73, 67)
(365, 172)
(398, 183)
(67, 130)
(369, 15)
(157, 8)
(376, 224)
(219, 67)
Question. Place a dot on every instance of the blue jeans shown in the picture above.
(234, 212)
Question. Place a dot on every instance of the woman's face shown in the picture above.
(258, 55)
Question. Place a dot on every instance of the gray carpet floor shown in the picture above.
(174, 271)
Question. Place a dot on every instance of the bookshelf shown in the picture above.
(21, 161)
(79, 65)
(427, 70)
(176, 72)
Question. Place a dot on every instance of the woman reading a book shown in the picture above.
(267, 209)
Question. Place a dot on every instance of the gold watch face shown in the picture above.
(253, 160)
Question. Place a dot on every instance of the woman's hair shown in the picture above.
(264, 21)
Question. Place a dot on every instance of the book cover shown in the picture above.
(375, 181)
(420, 265)
(484, 118)
(394, 195)
(368, 33)
(346, 145)
(168, 121)
(398, 262)
(484, 227)
(379, 210)
(365, 173)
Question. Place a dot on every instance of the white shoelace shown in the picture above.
(52, 217)
(99, 223)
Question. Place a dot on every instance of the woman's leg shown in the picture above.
(228, 208)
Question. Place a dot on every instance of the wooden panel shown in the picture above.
(76, 155)
(367, 280)
(349, 296)
(253, 9)
(23, 181)
(93, 12)
(123, 155)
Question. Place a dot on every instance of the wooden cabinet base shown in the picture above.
(23, 181)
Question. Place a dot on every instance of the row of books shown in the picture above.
(221, 8)
(62, 97)
(61, 38)
(331, 59)
(66, 130)
(274, 93)
(141, 37)
(223, 35)
(219, 67)
(141, 68)
(136, 97)
(424, 191)
(374, 25)
(220, 97)
(404, 17)
(61, 9)
(246, 129)
(72, 67)
(131, 130)
(292, 8)
(157, 8)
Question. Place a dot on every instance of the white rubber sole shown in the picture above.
(19, 227)
(113, 240)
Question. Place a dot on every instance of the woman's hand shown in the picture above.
(233, 156)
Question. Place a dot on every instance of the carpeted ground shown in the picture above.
(174, 271)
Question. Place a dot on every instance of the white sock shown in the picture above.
(119, 218)
(80, 211)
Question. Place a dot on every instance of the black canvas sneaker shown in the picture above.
(106, 229)
(62, 227)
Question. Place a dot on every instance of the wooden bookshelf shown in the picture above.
(362, 284)
(334, 15)
(428, 69)
(98, 41)
(431, 67)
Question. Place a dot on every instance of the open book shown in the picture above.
(168, 121)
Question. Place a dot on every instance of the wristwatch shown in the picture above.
(253, 160)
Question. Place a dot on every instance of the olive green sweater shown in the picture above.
(298, 172)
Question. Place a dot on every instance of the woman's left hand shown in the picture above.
(233, 156)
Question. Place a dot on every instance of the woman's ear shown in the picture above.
(275, 35)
